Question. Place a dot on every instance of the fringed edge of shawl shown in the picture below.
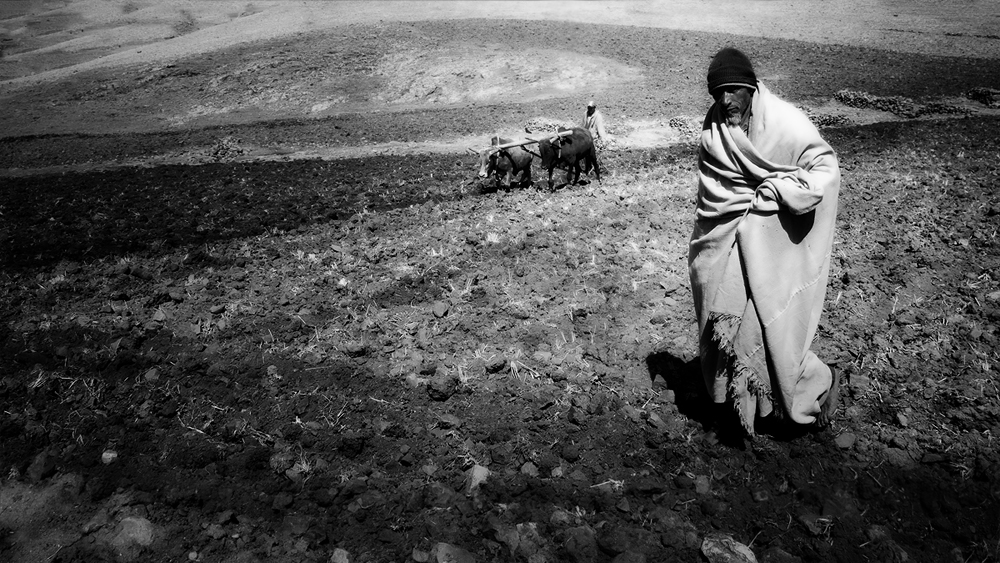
(722, 329)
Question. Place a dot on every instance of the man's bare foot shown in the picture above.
(829, 406)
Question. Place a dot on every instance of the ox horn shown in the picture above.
(472, 150)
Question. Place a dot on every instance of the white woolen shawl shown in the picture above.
(759, 258)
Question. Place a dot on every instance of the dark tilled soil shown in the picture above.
(378, 359)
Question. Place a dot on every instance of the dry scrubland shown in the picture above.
(221, 343)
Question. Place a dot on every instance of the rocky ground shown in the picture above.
(256, 307)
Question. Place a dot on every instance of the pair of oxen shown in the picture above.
(569, 149)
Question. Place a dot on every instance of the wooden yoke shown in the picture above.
(529, 141)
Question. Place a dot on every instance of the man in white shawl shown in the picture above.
(593, 121)
(760, 251)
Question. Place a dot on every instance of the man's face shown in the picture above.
(590, 110)
(735, 101)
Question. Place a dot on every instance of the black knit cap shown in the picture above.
(730, 66)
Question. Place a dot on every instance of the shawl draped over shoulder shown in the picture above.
(759, 259)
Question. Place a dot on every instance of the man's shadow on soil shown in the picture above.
(683, 377)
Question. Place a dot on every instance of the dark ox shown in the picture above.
(569, 152)
(503, 165)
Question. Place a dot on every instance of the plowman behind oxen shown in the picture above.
(504, 164)
(569, 151)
